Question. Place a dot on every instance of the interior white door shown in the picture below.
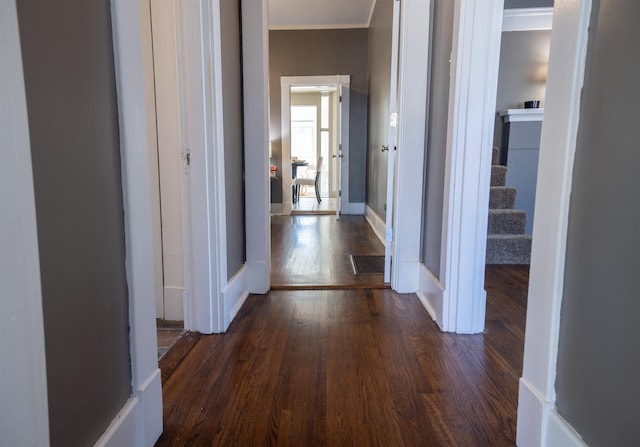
(338, 153)
(393, 126)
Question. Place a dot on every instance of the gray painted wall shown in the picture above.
(436, 138)
(380, 34)
(527, 3)
(233, 139)
(73, 124)
(321, 53)
(524, 56)
(598, 358)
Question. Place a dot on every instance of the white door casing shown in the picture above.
(338, 154)
(286, 82)
(204, 196)
(538, 422)
(392, 142)
(413, 67)
(255, 48)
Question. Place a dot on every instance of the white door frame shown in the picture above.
(392, 142)
(255, 48)
(457, 300)
(538, 422)
(286, 82)
(413, 68)
(140, 421)
(203, 139)
(24, 414)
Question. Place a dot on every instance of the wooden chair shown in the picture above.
(313, 181)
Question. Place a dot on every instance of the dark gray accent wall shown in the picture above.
(323, 53)
(233, 138)
(524, 56)
(598, 358)
(73, 124)
(380, 35)
(436, 138)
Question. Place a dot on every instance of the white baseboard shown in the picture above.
(150, 398)
(559, 432)
(530, 411)
(353, 208)
(539, 424)
(376, 223)
(527, 19)
(258, 277)
(173, 303)
(139, 422)
(276, 209)
(431, 293)
(407, 279)
(234, 294)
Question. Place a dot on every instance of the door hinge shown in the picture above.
(340, 193)
(389, 234)
(186, 156)
(340, 98)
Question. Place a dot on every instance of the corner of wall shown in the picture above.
(139, 422)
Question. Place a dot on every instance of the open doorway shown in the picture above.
(314, 118)
(314, 126)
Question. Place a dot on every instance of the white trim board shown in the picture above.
(376, 223)
(546, 279)
(24, 415)
(353, 208)
(255, 56)
(527, 19)
(137, 195)
(431, 294)
(413, 67)
(312, 27)
(201, 112)
(472, 100)
(234, 295)
(141, 411)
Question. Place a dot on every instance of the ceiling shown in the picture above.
(319, 14)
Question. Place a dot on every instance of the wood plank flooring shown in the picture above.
(313, 251)
(360, 367)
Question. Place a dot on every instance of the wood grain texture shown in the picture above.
(364, 367)
(313, 251)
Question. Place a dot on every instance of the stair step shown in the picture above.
(501, 197)
(507, 221)
(498, 175)
(508, 249)
(495, 156)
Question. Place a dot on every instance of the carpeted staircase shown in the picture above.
(506, 241)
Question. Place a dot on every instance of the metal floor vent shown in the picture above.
(367, 264)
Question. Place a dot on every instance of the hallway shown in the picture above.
(351, 367)
(312, 251)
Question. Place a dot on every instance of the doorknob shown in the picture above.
(385, 148)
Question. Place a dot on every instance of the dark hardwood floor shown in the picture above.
(359, 367)
(313, 252)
